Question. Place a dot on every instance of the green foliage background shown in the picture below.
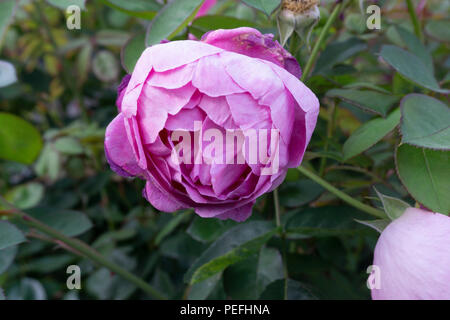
(384, 124)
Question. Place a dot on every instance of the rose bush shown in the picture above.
(234, 79)
(413, 257)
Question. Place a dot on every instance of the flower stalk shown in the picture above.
(77, 246)
(342, 195)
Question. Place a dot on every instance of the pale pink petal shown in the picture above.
(413, 258)
(211, 78)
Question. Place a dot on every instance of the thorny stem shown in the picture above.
(320, 40)
(415, 20)
(77, 246)
(342, 195)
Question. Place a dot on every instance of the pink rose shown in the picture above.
(183, 101)
(413, 257)
(206, 6)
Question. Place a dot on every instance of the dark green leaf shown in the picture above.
(371, 101)
(248, 279)
(68, 145)
(439, 29)
(26, 195)
(202, 290)
(64, 4)
(207, 230)
(19, 140)
(7, 256)
(324, 221)
(414, 45)
(298, 193)
(426, 175)
(6, 14)
(170, 226)
(214, 22)
(132, 51)
(233, 246)
(370, 133)
(173, 18)
(71, 223)
(425, 122)
(27, 289)
(105, 66)
(145, 9)
(338, 52)
(411, 67)
(295, 291)
(9, 235)
(266, 6)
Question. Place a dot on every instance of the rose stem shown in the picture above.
(276, 199)
(415, 19)
(320, 40)
(78, 246)
(343, 196)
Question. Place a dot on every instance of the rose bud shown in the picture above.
(412, 257)
(297, 15)
(212, 124)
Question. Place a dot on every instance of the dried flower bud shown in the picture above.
(297, 15)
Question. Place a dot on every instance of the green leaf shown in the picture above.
(411, 67)
(426, 175)
(26, 195)
(413, 44)
(8, 74)
(7, 256)
(202, 290)
(19, 140)
(48, 163)
(324, 221)
(393, 207)
(68, 145)
(9, 235)
(248, 279)
(114, 38)
(27, 289)
(70, 223)
(132, 51)
(170, 226)
(337, 52)
(438, 29)
(145, 9)
(105, 66)
(233, 246)
(214, 22)
(378, 225)
(369, 134)
(266, 6)
(299, 193)
(371, 101)
(207, 230)
(173, 18)
(425, 122)
(7, 8)
(295, 291)
(64, 4)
